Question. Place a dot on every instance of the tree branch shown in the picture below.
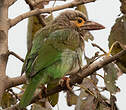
(17, 56)
(6, 82)
(3, 44)
(47, 10)
(11, 2)
(95, 45)
(78, 77)
(34, 3)
(12, 82)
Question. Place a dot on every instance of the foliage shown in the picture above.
(8, 99)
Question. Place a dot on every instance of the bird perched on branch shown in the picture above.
(57, 50)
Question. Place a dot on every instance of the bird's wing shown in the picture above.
(48, 51)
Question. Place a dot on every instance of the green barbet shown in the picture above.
(57, 50)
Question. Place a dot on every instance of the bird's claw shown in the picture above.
(65, 80)
(43, 91)
(40, 95)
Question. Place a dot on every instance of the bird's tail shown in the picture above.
(29, 92)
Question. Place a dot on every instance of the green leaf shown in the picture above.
(110, 77)
(118, 33)
(35, 22)
(121, 62)
(87, 98)
(7, 100)
(53, 99)
(102, 107)
(71, 98)
(33, 26)
(123, 6)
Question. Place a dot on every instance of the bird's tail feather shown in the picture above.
(29, 92)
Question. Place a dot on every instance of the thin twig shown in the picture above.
(16, 96)
(17, 56)
(21, 89)
(95, 45)
(100, 75)
(46, 10)
(54, 3)
(86, 89)
(103, 89)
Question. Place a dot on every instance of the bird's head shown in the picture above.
(78, 20)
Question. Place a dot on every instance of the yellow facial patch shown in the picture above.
(79, 22)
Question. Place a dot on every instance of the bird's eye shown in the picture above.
(79, 20)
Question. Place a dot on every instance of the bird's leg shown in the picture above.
(40, 95)
(66, 81)
(43, 91)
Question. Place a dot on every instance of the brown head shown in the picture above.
(78, 20)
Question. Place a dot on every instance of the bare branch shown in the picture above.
(11, 2)
(17, 56)
(47, 10)
(36, 2)
(78, 77)
(3, 44)
(12, 82)
(32, 7)
(95, 45)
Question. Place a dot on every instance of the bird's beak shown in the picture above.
(90, 25)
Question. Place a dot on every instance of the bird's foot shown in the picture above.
(43, 91)
(66, 81)
(40, 95)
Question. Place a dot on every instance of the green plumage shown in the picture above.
(51, 58)
(57, 50)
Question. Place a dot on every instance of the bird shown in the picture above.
(57, 50)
